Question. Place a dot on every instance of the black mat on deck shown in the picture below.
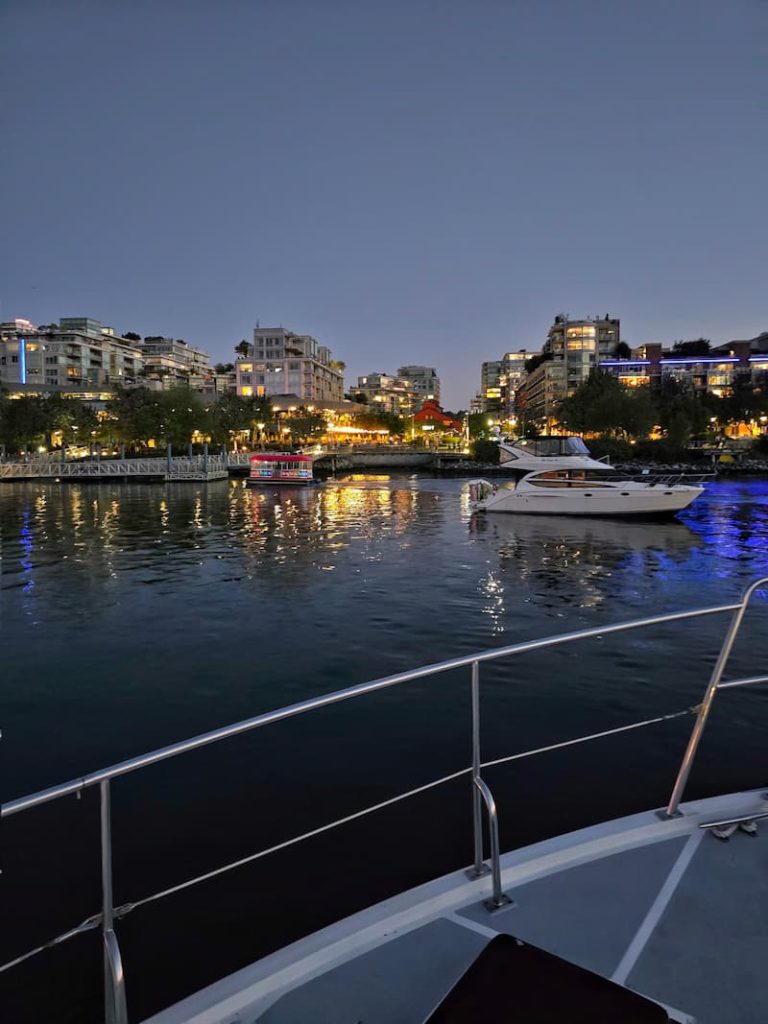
(512, 982)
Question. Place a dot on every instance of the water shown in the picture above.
(135, 615)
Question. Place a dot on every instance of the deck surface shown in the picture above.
(660, 906)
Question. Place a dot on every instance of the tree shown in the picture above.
(477, 424)
(232, 414)
(377, 418)
(602, 405)
(748, 399)
(622, 350)
(306, 425)
(699, 347)
(132, 336)
(135, 416)
(23, 422)
(483, 450)
(76, 422)
(224, 367)
(535, 361)
(243, 348)
(182, 413)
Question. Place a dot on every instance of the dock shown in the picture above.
(194, 468)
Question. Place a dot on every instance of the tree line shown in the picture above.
(135, 416)
(604, 406)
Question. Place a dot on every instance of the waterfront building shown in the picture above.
(425, 384)
(169, 362)
(511, 377)
(540, 392)
(435, 425)
(714, 371)
(572, 350)
(580, 344)
(78, 353)
(213, 384)
(279, 362)
(490, 386)
(387, 393)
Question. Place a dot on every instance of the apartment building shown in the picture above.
(78, 353)
(425, 384)
(572, 350)
(279, 362)
(713, 371)
(388, 393)
(490, 386)
(171, 361)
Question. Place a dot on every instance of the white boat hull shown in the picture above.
(607, 501)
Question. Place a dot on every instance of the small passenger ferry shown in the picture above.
(280, 468)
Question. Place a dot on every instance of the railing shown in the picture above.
(176, 468)
(114, 983)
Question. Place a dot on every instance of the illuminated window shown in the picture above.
(247, 391)
(246, 367)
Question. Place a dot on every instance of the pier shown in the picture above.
(194, 468)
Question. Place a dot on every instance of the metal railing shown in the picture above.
(114, 982)
(176, 468)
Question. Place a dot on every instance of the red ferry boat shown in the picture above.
(280, 468)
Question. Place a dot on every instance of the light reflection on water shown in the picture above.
(356, 577)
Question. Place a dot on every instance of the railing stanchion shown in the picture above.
(114, 982)
(707, 701)
(479, 867)
(498, 898)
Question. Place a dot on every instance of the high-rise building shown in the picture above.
(490, 386)
(279, 362)
(572, 349)
(425, 384)
(510, 378)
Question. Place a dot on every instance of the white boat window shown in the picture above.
(552, 446)
(569, 478)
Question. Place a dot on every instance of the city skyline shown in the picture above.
(407, 186)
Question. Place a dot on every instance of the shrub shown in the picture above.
(485, 451)
(616, 449)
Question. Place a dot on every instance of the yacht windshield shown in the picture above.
(544, 446)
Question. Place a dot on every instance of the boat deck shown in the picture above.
(661, 906)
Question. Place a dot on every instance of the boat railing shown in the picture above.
(661, 479)
(114, 982)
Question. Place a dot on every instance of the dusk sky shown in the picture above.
(410, 182)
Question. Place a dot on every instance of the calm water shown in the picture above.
(135, 615)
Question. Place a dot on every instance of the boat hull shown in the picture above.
(645, 502)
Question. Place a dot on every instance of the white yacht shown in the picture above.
(558, 476)
(645, 919)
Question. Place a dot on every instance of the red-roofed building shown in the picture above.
(431, 412)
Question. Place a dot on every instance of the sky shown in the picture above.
(408, 181)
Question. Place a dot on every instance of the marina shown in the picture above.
(383, 557)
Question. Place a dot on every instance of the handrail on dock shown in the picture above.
(114, 983)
